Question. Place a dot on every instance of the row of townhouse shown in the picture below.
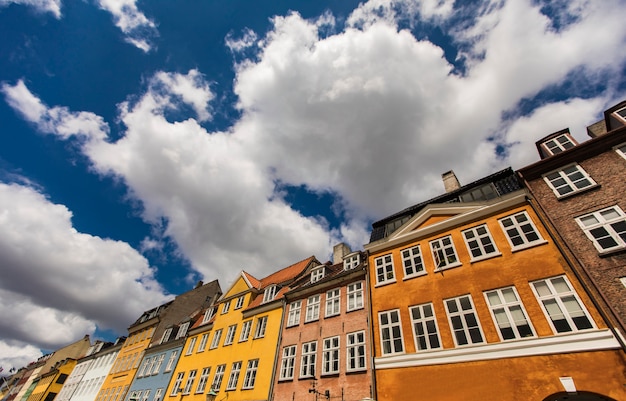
(513, 286)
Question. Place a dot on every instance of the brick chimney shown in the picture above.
(450, 182)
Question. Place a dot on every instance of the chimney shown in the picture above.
(450, 182)
(199, 284)
(339, 251)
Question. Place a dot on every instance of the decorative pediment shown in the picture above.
(432, 215)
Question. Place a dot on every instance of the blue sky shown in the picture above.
(149, 145)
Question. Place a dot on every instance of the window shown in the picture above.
(288, 362)
(192, 344)
(217, 379)
(384, 269)
(605, 228)
(182, 330)
(208, 314)
(230, 334)
(234, 376)
(294, 313)
(157, 366)
(485, 192)
(142, 371)
(158, 394)
(351, 261)
(269, 293)
(190, 380)
(621, 150)
(307, 362)
(250, 377)
(245, 330)
(203, 341)
(239, 303)
(355, 350)
(558, 144)
(444, 253)
(479, 243)
(561, 305)
(204, 376)
(412, 262)
(464, 321)
(508, 314)
(177, 383)
(216, 339)
(261, 323)
(226, 307)
(425, 330)
(145, 396)
(330, 356)
(171, 361)
(621, 113)
(520, 231)
(568, 180)
(355, 296)
(333, 299)
(166, 335)
(391, 332)
(317, 274)
(623, 281)
(312, 308)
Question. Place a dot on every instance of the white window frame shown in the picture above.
(462, 315)
(330, 355)
(157, 366)
(204, 377)
(166, 335)
(225, 307)
(158, 394)
(240, 301)
(621, 149)
(623, 281)
(171, 361)
(351, 261)
(190, 380)
(312, 308)
(308, 359)
(230, 334)
(203, 341)
(508, 314)
(391, 336)
(270, 293)
(559, 302)
(479, 240)
(443, 250)
(191, 346)
(571, 178)
(425, 329)
(385, 273)
(233, 378)
(142, 371)
(182, 330)
(246, 327)
(216, 339)
(293, 319)
(354, 296)
(515, 229)
(356, 358)
(317, 274)
(556, 144)
(218, 377)
(261, 325)
(600, 223)
(177, 383)
(412, 262)
(333, 302)
(145, 395)
(287, 364)
(250, 376)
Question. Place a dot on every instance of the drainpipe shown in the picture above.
(373, 391)
(277, 352)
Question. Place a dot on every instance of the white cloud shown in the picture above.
(47, 265)
(15, 354)
(138, 28)
(248, 39)
(44, 6)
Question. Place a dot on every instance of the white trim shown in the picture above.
(619, 150)
(596, 340)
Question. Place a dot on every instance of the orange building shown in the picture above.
(472, 300)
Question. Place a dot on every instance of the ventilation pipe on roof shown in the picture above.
(450, 182)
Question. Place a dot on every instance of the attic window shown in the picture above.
(484, 192)
(208, 314)
(621, 113)
(182, 331)
(270, 293)
(395, 224)
(559, 144)
(317, 274)
(166, 335)
(351, 261)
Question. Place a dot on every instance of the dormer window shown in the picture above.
(351, 261)
(270, 293)
(166, 335)
(208, 314)
(559, 144)
(621, 113)
(317, 274)
(182, 331)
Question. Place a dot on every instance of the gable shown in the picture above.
(433, 215)
(434, 220)
(240, 285)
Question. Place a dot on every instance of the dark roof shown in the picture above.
(505, 181)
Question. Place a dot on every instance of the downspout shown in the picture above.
(277, 352)
(373, 391)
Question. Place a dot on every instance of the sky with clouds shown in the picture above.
(149, 145)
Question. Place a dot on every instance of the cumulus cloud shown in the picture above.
(44, 6)
(47, 265)
(139, 29)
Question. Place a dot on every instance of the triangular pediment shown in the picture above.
(241, 284)
(432, 215)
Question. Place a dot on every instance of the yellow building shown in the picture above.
(472, 300)
(50, 384)
(232, 349)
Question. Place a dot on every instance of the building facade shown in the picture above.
(472, 299)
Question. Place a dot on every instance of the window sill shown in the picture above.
(530, 245)
(333, 315)
(448, 267)
(356, 372)
(420, 274)
(285, 380)
(384, 283)
(331, 374)
(611, 252)
(485, 257)
(355, 309)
